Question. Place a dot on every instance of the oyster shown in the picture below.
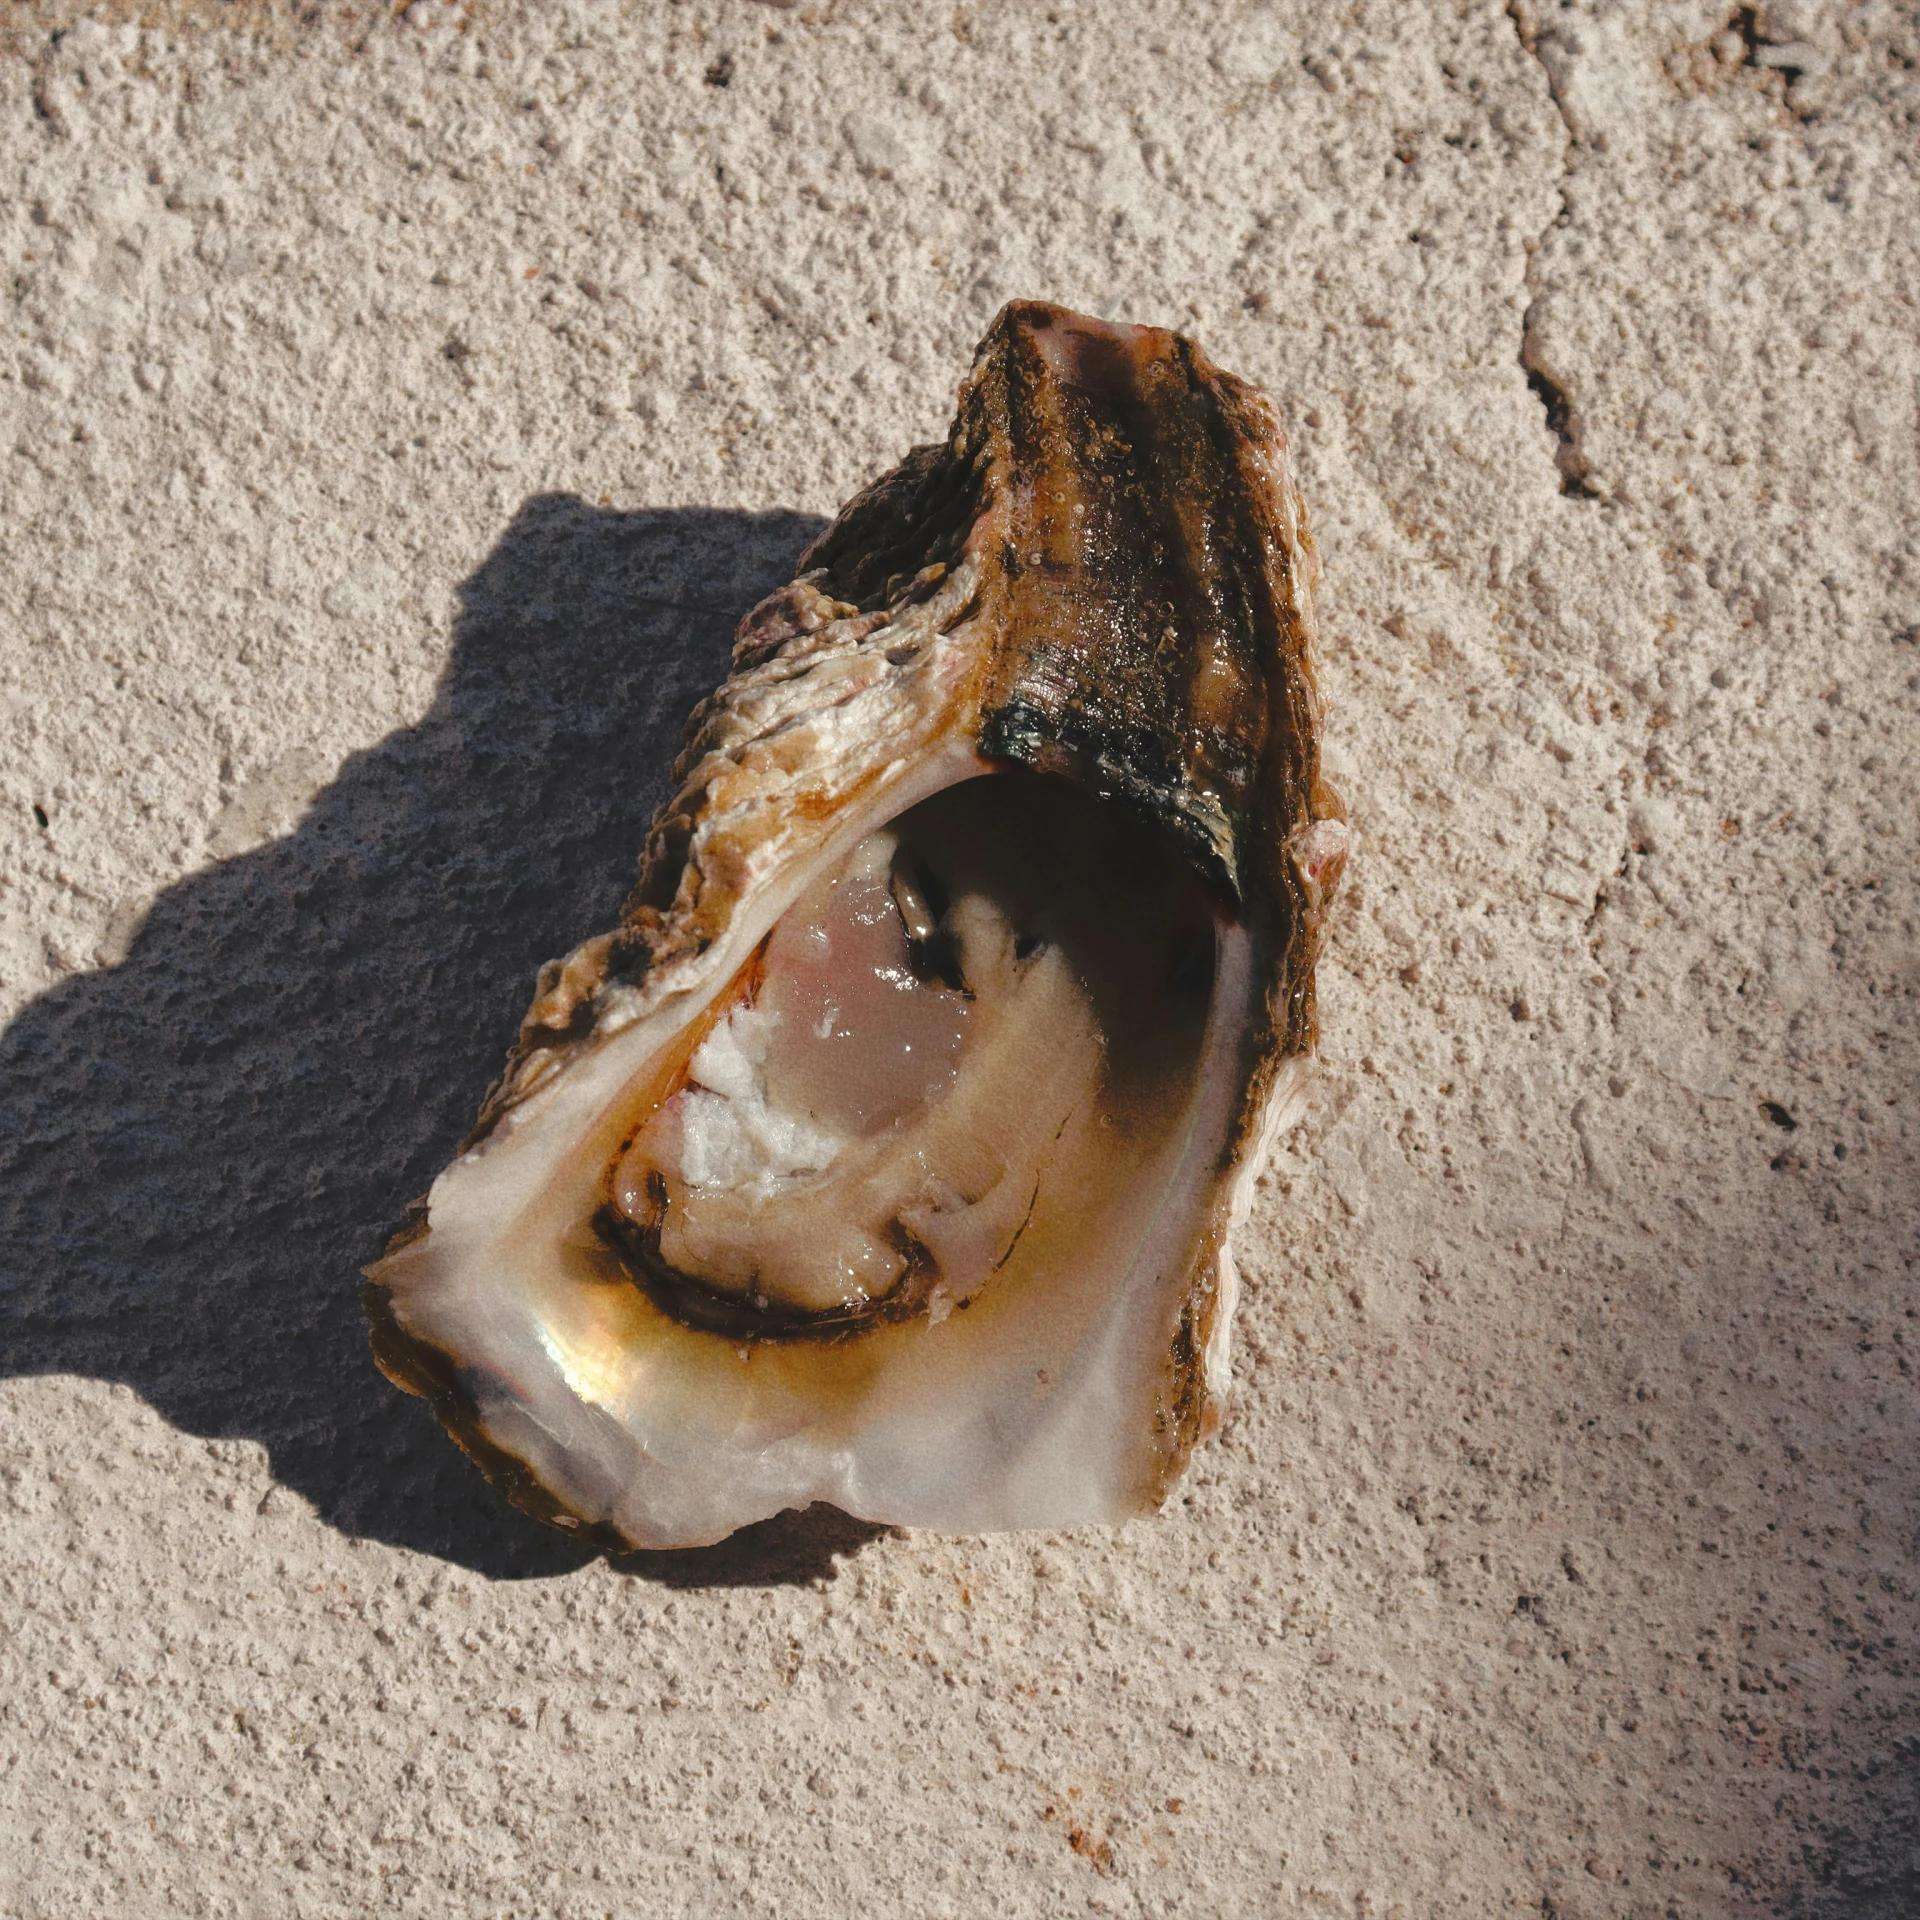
(888, 1152)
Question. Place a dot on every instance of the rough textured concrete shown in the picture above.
(395, 415)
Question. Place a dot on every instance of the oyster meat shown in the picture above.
(888, 1152)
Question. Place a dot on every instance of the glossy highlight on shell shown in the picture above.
(888, 1152)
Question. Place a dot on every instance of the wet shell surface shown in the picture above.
(888, 1153)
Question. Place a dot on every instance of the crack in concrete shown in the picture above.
(1569, 457)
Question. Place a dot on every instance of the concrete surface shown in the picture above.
(395, 414)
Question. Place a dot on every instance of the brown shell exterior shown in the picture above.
(1143, 579)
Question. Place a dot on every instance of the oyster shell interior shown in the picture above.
(866, 1230)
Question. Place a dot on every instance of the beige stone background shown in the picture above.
(396, 411)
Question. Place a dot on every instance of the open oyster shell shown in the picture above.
(888, 1152)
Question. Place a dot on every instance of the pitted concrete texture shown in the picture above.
(396, 412)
